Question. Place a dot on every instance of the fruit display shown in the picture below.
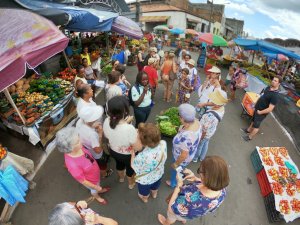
(279, 161)
(264, 152)
(274, 151)
(169, 122)
(268, 161)
(290, 189)
(283, 152)
(297, 183)
(68, 74)
(277, 188)
(3, 152)
(295, 205)
(284, 172)
(284, 207)
(274, 174)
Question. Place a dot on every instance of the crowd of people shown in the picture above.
(110, 131)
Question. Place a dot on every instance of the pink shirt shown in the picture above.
(82, 169)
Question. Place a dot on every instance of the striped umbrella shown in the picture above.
(161, 27)
(192, 32)
(212, 39)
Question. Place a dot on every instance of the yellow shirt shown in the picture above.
(87, 57)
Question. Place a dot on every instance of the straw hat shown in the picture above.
(91, 113)
(191, 62)
(214, 69)
(153, 49)
(298, 103)
(218, 97)
(151, 61)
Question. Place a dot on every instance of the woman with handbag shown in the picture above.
(203, 195)
(80, 162)
(169, 70)
(148, 165)
(90, 133)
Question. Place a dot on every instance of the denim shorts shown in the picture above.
(144, 189)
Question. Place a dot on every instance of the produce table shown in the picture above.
(44, 129)
(282, 183)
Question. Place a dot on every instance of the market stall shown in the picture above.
(279, 181)
(29, 40)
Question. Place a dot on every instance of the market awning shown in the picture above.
(27, 39)
(265, 46)
(154, 18)
(81, 19)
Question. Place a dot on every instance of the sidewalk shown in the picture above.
(244, 204)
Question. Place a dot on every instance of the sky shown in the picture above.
(264, 18)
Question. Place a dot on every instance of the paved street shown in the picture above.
(243, 206)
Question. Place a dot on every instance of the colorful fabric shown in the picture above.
(191, 203)
(183, 91)
(84, 167)
(209, 124)
(146, 162)
(186, 141)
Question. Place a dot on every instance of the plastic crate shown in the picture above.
(265, 187)
(272, 213)
(256, 162)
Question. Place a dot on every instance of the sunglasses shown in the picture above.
(87, 156)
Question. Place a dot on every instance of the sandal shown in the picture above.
(145, 200)
(104, 202)
(104, 190)
(108, 173)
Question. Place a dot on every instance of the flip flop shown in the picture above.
(104, 190)
(104, 202)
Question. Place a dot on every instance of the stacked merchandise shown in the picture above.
(279, 181)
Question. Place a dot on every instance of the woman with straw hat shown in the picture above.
(210, 121)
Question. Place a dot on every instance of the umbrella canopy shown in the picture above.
(278, 57)
(161, 27)
(177, 31)
(123, 25)
(192, 32)
(212, 39)
(26, 39)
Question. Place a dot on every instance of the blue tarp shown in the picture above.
(266, 47)
(82, 19)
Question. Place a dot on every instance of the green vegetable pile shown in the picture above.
(169, 122)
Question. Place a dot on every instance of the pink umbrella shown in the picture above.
(123, 25)
(282, 57)
(26, 40)
(192, 32)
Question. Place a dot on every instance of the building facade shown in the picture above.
(234, 27)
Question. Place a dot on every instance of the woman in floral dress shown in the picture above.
(149, 163)
(185, 87)
(203, 195)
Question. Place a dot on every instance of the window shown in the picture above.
(214, 30)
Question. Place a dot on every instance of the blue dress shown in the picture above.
(191, 203)
(202, 57)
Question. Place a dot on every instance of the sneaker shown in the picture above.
(246, 138)
(195, 160)
(245, 130)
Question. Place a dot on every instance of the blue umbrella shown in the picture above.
(177, 31)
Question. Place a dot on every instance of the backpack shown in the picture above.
(131, 102)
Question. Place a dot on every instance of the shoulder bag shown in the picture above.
(144, 174)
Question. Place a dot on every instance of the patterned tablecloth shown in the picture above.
(284, 178)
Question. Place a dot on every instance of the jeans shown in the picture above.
(202, 149)
(173, 175)
(141, 114)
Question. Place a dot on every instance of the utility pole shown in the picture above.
(137, 12)
(211, 13)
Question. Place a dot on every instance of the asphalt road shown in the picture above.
(243, 206)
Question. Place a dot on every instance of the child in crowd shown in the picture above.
(123, 83)
(229, 75)
(185, 87)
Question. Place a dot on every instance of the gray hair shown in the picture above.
(66, 138)
(63, 214)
